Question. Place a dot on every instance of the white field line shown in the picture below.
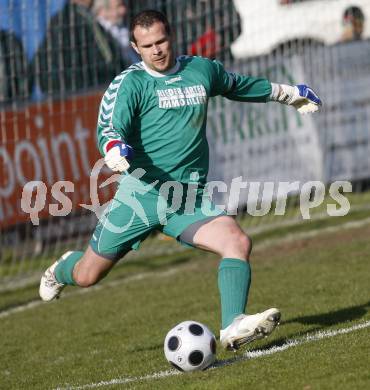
(312, 233)
(246, 356)
(79, 291)
(299, 221)
(143, 275)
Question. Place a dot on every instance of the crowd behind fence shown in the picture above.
(50, 49)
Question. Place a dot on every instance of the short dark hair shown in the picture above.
(146, 19)
(354, 12)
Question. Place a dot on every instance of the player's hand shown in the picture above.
(117, 157)
(305, 99)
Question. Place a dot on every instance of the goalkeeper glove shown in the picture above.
(301, 97)
(117, 155)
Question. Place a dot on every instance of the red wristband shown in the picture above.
(112, 143)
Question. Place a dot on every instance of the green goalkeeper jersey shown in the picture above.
(163, 117)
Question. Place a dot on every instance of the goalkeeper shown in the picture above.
(152, 128)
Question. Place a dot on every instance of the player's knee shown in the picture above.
(86, 279)
(239, 243)
(245, 244)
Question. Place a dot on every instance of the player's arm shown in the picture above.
(237, 87)
(116, 115)
(259, 90)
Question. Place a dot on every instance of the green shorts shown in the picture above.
(139, 208)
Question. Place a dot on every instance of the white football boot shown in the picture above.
(247, 328)
(50, 288)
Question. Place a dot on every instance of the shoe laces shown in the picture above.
(51, 280)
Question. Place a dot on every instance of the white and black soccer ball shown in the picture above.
(190, 346)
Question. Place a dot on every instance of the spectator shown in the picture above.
(207, 45)
(353, 22)
(200, 25)
(207, 28)
(76, 53)
(111, 15)
(14, 83)
(23, 26)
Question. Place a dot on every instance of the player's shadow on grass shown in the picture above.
(321, 321)
(138, 349)
(333, 317)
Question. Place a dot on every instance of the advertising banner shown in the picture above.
(48, 143)
(263, 142)
(342, 72)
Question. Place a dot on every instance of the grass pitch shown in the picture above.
(112, 336)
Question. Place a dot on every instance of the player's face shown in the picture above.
(114, 11)
(358, 27)
(154, 46)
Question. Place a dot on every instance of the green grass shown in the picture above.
(117, 331)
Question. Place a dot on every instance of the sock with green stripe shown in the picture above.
(234, 279)
(64, 270)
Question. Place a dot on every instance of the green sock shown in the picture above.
(64, 270)
(234, 279)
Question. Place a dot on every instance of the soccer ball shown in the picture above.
(190, 346)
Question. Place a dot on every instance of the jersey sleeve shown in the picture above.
(117, 111)
(238, 87)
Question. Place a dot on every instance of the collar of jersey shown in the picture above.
(169, 72)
